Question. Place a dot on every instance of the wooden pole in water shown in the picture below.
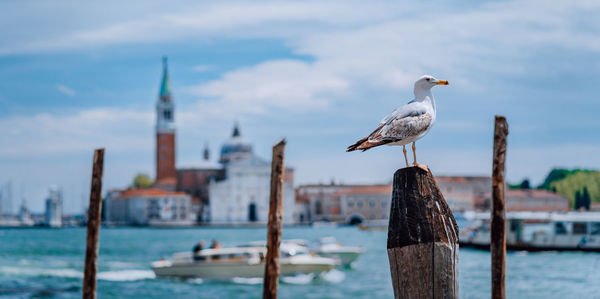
(498, 217)
(422, 238)
(93, 227)
(271, 279)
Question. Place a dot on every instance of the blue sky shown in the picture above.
(77, 76)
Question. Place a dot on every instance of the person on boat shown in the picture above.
(197, 250)
(215, 244)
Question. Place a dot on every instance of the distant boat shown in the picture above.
(326, 247)
(538, 231)
(330, 247)
(245, 262)
(376, 225)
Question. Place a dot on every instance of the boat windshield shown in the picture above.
(595, 228)
(293, 250)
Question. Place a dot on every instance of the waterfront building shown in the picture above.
(242, 195)
(462, 192)
(53, 215)
(357, 203)
(165, 135)
(153, 207)
(534, 200)
(195, 181)
(368, 202)
(235, 190)
(319, 202)
(25, 215)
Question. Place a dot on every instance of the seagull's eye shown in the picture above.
(427, 79)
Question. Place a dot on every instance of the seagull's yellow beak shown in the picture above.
(441, 82)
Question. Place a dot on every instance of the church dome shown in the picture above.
(235, 148)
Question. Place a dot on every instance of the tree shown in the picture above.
(525, 184)
(585, 199)
(577, 200)
(142, 181)
(554, 175)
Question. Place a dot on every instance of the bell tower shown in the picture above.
(165, 130)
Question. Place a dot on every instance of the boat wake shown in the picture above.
(333, 276)
(118, 275)
(40, 272)
(126, 275)
(298, 279)
(247, 280)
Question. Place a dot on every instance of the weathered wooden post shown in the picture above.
(271, 279)
(498, 217)
(93, 227)
(422, 238)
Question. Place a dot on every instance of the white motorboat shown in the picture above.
(326, 247)
(330, 247)
(247, 262)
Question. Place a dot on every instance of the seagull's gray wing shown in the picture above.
(407, 121)
(412, 108)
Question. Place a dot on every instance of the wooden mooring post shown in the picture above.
(422, 238)
(498, 217)
(271, 279)
(93, 227)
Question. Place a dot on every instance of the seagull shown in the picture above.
(407, 123)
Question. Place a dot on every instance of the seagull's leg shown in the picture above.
(405, 158)
(414, 154)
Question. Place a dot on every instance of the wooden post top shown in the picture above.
(419, 214)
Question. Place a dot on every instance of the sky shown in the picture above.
(77, 76)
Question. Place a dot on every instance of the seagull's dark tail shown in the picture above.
(356, 145)
(364, 144)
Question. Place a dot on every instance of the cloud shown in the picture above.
(65, 90)
(273, 84)
(47, 134)
(236, 19)
(383, 54)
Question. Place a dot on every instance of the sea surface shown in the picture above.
(45, 263)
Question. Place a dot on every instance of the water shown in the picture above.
(44, 263)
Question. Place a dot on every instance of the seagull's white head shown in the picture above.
(425, 83)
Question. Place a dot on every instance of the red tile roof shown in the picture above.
(151, 192)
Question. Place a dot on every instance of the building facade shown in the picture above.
(463, 192)
(53, 214)
(319, 202)
(152, 207)
(358, 203)
(195, 181)
(366, 203)
(165, 133)
(242, 196)
(535, 200)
